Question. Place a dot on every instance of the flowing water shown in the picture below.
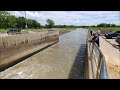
(64, 60)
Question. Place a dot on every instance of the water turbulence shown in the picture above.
(61, 61)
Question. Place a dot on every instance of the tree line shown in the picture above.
(106, 25)
(11, 21)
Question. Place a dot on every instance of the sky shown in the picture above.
(72, 17)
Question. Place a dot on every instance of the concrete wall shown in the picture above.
(10, 45)
(95, 62)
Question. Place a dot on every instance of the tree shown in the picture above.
(106, 25)
(50, 23)
(3, 19)
(11, 22)
(29, 23)
(113, 25)
(21, 22)
(102, 25)
(33, 23)
(7, 20)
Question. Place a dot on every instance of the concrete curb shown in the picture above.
(109, 42)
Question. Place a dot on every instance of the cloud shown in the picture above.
(72, 17)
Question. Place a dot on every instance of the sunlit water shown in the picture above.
(60, 61)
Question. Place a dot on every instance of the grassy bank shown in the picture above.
(68, 28)
(52, 28)
(104, 28)
(3, 30)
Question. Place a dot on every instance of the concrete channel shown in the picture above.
(63, 60)
(15, 48)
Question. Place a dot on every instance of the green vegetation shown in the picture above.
(67, 28)
(10, 21)
(50, 23)
(3, 30)
(106, 25)
(103, 28)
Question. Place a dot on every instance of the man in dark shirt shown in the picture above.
(95, 39)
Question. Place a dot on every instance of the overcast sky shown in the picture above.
(72, 17)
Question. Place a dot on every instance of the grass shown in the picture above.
(52, 28)
(68, 28)
(104, 28)
(3, 30)
(90, 28)
(34, 29)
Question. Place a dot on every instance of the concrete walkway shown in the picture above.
(112, 56)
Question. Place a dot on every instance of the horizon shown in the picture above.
(76, 18)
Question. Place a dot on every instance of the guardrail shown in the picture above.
(96, 68)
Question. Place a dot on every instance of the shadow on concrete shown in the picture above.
(116, 46)
(77, 71)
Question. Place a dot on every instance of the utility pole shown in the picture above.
(26, 21)
(119, 18)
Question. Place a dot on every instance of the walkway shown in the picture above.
(112, 56)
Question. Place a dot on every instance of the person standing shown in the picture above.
(98, 32)
(95, 39)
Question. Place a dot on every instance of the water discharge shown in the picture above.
(61, 61)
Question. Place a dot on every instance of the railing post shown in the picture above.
(99, 66)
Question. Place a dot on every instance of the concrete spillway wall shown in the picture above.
(15, 44)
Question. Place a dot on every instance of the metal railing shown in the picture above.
(96, 61)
